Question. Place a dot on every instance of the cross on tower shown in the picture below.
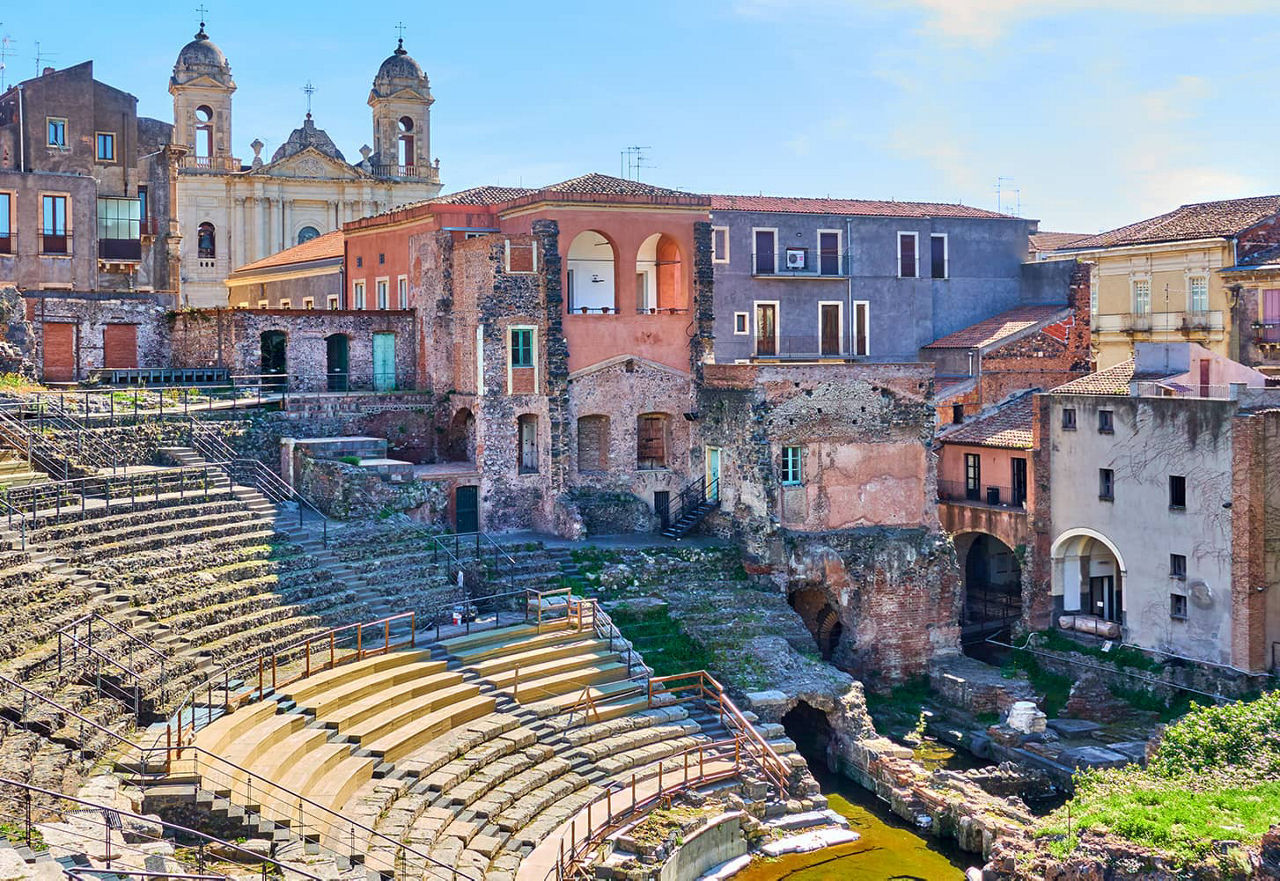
(400, 30)
(203, 13)
(310, 90)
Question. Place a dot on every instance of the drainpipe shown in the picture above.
(22, 134)
(848, 271)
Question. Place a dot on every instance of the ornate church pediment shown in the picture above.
(311, 163)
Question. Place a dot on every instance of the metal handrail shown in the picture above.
(264, 783)
(571, 865)
(81, 487)
(49, 412)
(74, 626)
(164, 824)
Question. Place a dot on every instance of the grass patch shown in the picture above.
(656, 635)
(16, 833)
(1122, 656)
(1055, 687)
(1214, 777)
(908, 698)
(1142, 699)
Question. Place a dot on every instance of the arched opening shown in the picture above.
(593, 443)
(404, 147)
(460, 440)
(1089, 574)
(307, 233)
(204, 132)
(810, 729)
(206, 241)
(274, 360)
(820, 617)
(992, 590)
(659, 275)
(590, 276)
(337, 362)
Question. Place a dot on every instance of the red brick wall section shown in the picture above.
(1258, 238)
(1249, 476)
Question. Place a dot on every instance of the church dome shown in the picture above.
(308, 136)
(399, 70)
(201, 57)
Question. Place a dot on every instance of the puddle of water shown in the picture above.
(888, 849)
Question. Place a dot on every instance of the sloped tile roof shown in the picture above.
(606, 185)
(485, 195)
(1008, 426)
(1050, 241)
(1197, 221)
(1112, 381)
(997, 328)
(323, 247)
(858, 207)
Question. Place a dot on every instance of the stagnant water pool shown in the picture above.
(888, 848)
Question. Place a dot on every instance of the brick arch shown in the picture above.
(821, 617)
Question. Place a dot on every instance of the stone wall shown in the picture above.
(91, 314)
(349, 492)
(233, 339)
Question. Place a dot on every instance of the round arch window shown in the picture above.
(307, 233)
(204, 113)
(406, 124)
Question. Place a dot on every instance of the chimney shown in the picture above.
(47, 71)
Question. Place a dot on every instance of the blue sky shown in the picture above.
(1100, 111)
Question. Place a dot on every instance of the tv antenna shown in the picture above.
(632, 160)
(42, 57)
(6, 50)
(1017, 195)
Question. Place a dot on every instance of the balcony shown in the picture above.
(1196, 323)
(1266, 333)
(55, 244)
(6, 244)
(988, 495)
(806, 347)
(117, 250)
(407, 172)
(217, 164)
(811, 267)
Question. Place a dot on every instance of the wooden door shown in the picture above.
(1204, 378)
(766, 329)
(120, 346)
(466, 509)
(384, 362)
(59, 352)
(829, 328)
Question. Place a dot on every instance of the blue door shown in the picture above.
(384, 362)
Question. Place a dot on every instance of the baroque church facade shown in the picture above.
(231, 213)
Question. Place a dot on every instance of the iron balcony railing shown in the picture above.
(55, 243)
(1266, 332)
(120, 249)
(988, 494)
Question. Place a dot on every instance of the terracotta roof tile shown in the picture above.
(1009, 426)
(1050, 241)
(997, 328)
(862, 207)
(1112, 381)
(485, 195)
(603, 184)
(1198, 221)
(323, 247)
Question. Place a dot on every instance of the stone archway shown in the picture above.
(992, 574)
(810, 729)
(1088, 575)
(460, 440)
(820, 617)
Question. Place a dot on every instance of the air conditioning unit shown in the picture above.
(795, 258)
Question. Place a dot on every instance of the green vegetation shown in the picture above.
(1055, 687)
(658, 637)
(1214, 777)
(661, 823)
(1142, 699)
(16, 833)
(349, 460)
(1122, 656)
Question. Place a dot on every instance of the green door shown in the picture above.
(384, 362)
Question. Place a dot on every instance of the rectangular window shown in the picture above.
(767, 330)
(119, 228)
(381, 290)
(1069, 419)
(938, 255)
(264, 304)
(829, 252)
(957, 413)
(1093, 300)
(286, 304)
(53, 229)
(861, 328)
(332, 303)
(308, 302)
(359, 262)
(1177, 606)
(719, 244)
(741, 323)
(1198, 293)
(521, 257)
(1178, 566)
(765, 256)
(6, 223)
(382, 258)
(522, 347)
(1142, 296)
(57, 129)
(106, 143)
(907, 247)
(357, 295)
(402, 292)
(1177, 492)
(1106, 422)
(791, 473)
(1106, 484)
(142, 211)
(972, 477)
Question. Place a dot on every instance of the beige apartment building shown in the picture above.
(1161, 279)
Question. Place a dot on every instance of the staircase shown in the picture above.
(695, 502)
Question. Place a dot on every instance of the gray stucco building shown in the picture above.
(799, 278)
